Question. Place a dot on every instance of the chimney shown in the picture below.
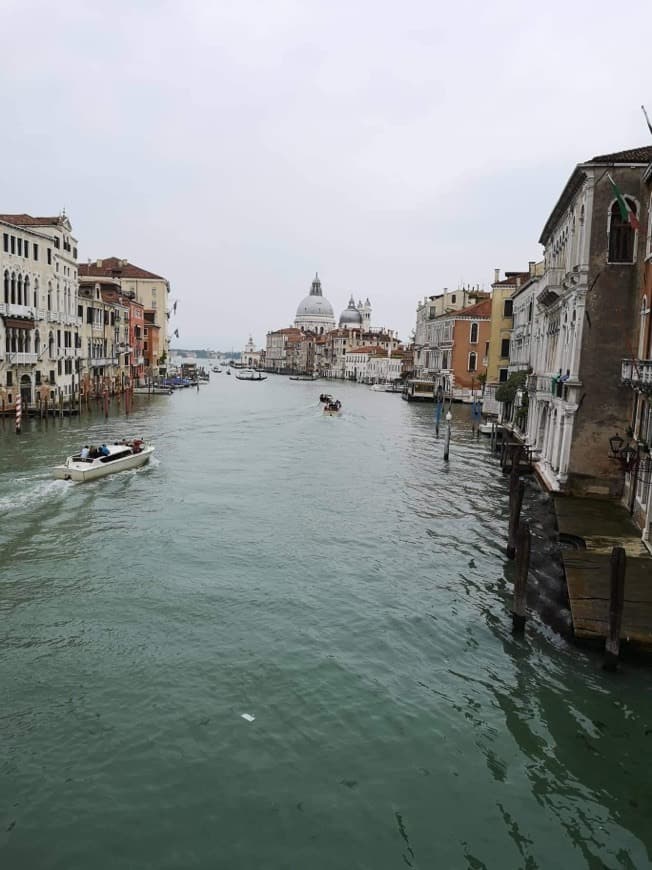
(98, 263)
(518, 281)
(496, 276)
(531, 264)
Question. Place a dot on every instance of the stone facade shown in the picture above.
(586, 302)
(40, 344)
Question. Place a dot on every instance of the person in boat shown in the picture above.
(83, 453)
(104, 450)
(93, 452)
(137, 445)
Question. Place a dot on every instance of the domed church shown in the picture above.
(356, 317)
(315, 313)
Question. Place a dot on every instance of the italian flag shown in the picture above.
(626, 212)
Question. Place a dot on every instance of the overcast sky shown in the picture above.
(238, 147)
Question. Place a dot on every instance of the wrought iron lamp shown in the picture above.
(615, 445)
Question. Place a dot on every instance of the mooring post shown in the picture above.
(516, 502)
(519, 608)
(447, 442)
(616, 604)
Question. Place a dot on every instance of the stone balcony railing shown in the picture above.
(20, 358)
(9, 309)
(96, 361)
(637, 373)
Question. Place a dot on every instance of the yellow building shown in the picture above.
(497, 352)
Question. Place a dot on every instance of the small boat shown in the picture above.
(228, 371)
(122, 456)
(216, 370)
(333, 409)
(303, 377)
(326, 397)
(250, 375)
(153, 390)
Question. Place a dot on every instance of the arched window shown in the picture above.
(26, 299)
(473, 361)
(622, 235)
(37, 341)
(51, 346)
(13, 288)
(36, 299)
(642, 335)
(49, 295)
(19, 294)
(473, 338)
(6, 286)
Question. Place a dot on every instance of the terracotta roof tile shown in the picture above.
(632, 155)
(26, 220)
(114, 265)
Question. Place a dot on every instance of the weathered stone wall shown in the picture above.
(612, 310)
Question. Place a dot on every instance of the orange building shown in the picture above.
(459, 348)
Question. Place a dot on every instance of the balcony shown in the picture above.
(97, 361)
(637, 373)
(9, 309)
(550, 286)
(19, 358)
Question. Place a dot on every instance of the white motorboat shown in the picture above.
(129, 454)
(388, 387)
(250, 375)
(333, 408)
(153, 390)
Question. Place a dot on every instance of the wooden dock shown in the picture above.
(602, 526)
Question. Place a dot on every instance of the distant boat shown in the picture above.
(217, 370)
(333, 409)
(312, 377)
(250, 375)
(388, 387)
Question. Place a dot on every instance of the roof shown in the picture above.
(374, 348)
(480, 309)
(512, 279)
(26, 220)
(111, 266)
(641, 156)
(632, 155)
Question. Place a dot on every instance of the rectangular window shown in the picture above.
(9, 379)
(80, 311)
(486, 348)
(502, 375)
(5, 242)
(37, 378)
(52, 377)
(59, 367)
(12, 239)
(49, 256)
(35, 251)
(504, 348)
(74, 253)
(56, 242)
(508, 308)
(19, 247)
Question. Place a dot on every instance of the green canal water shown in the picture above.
(332, 578)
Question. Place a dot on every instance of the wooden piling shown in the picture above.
(517, 489)
(519, 607)
(447, 442)
(616, 602)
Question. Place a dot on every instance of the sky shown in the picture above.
(238, 147)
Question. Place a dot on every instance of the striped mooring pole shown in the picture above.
(19, 413)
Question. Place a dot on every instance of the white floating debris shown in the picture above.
(248, 717)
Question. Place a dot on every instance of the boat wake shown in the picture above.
(28, 492)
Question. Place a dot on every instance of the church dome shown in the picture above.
(313, 306)
(315, 311)
(351, 316)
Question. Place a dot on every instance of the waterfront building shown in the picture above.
(588, 299)
(456, 352)
(356, 362)
(314, 312)
(521, 347)
(636, 377)
(104, 337)
(280, 349)
(39, 322)
(429, 310)
(251, 357)
(383, 367)
(152, 291)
